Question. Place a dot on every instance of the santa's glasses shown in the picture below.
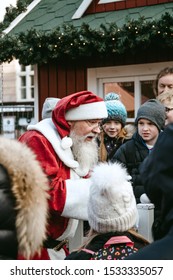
(167, 110)
(94, 124)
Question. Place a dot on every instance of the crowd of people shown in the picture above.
(82, 161)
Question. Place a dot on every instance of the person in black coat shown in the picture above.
(149, 121)
(23, 201)
(157, 175)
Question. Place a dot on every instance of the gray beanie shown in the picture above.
(153, 111)
(111, 205)
(48, 106)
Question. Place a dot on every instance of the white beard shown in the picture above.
(86, 153)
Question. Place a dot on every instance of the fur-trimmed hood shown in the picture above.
(29, 186)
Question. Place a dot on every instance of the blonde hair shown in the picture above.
(165, 96)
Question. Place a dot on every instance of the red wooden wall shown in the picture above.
(126, 4)
(59, 80)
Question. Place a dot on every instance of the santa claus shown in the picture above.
(66, 147)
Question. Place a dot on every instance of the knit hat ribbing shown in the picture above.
(116, 109)
(112, 205)
(153, 111)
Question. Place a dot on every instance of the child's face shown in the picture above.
(148, 131)
(112, 128)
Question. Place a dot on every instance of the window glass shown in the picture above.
(22, 68)
(146, 90)
(126, 92)
(23, 93)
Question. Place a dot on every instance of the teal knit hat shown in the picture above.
(116, 109)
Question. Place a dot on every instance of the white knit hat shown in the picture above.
(112, 205)
(48, 106)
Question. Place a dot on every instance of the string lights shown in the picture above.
(71, 43)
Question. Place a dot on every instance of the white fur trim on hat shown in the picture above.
(94, 110)
(112, 205)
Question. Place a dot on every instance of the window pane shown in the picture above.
(32, 80)
(23, 93)
(23, 81)
(22, 68)
(126, 92)
(32, 92)
(146, 90)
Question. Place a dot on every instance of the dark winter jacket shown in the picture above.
(111, 145)
(132, 154)
(23, 201)
(108, 145)
(157, 174)
(99, 241)
(158, 250)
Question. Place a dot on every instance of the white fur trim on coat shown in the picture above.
(47, 128)
(77, 194)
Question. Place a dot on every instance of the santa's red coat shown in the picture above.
(68, 190)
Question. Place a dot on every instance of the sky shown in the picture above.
(3, 5)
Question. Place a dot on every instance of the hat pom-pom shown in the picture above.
(66, 143)
(112, 96)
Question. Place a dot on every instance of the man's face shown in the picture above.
(165, 83)
(87, 129)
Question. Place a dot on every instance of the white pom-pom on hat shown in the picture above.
(66, 143)
(112, 205)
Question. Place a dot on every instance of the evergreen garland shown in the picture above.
(71, 43)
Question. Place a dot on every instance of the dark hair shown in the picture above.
(163, 72)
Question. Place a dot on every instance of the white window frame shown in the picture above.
(27, 73)
(109, 1)
(137, 73)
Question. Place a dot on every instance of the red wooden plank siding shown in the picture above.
(43, 85)
(52, 80)
(110, 7)
(152, 2)
(130, 4)
(120, 5)
(126, 4)
(140, 3)
(71, 82)
(60, 80)
(81, 78)
(92, 8)
(61, 77)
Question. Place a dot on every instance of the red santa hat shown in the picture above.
(83, 105)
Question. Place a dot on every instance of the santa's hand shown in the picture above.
(144, 199)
